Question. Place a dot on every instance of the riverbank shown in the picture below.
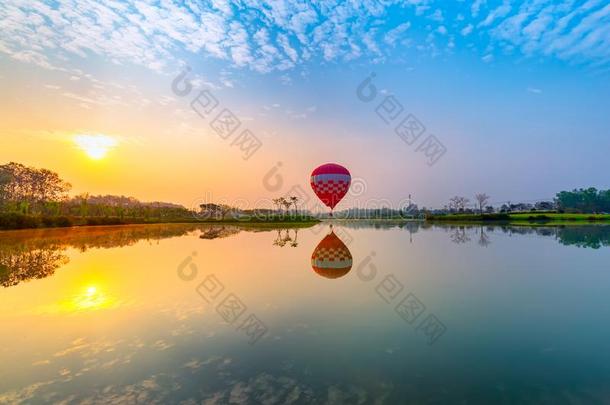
(529, 218)
(15, 221)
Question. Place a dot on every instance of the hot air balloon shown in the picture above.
(330, 182)
(331, 258)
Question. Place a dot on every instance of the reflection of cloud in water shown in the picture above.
(23, 395)
(196, 364)
(108, 370)
(87, 359)
(267, 388)
(162, 345)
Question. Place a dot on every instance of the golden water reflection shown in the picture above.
(90, 298)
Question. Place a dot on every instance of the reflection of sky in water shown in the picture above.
(524, 317)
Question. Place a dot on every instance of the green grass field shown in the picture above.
(560, 217)
(523, 218)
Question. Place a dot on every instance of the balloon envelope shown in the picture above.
(330, 182)
(331, 258)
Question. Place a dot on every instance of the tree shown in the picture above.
(294, 200)
(588, 200)
(482, 199)
(213, 210)
(544, 206)
(28, 187)
(286, 203)
(84, 204)
(278, 203)
(224, 210)
(458, 203)
(5, 180)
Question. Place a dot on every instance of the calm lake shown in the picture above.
(380, 314)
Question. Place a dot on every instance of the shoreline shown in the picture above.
(15, 222)
(31, 222)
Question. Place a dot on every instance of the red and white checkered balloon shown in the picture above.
(330, 182)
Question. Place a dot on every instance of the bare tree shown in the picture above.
(460, 235)
(286, 203)
(278, 203)
(482, 199)
(294, 200)
(453, 203)
(458, 203)
(295, 242)
(483, 238)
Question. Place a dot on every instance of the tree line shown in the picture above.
(31, 191)
(588, 200)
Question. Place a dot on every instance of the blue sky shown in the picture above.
(517, 92)
(281, 35)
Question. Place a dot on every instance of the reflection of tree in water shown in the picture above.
(32, 254)
(21, 265)
(484, 240)
(589, 237)
(219, 232)
(27, 255)
(459, 235)
(282, 239)
(410, 225)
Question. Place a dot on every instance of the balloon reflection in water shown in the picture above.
(331, 258)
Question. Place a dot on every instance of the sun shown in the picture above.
(95, 146)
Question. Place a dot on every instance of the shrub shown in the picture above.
(539, 218)
(104, 221)
(14, 220)
(63, 222)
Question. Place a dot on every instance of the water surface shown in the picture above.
(195, 313)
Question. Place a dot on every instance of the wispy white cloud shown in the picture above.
(396, 33)
(495, 14)
(466, 30)
(266, 35)
(476, 6)
(578, 33)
